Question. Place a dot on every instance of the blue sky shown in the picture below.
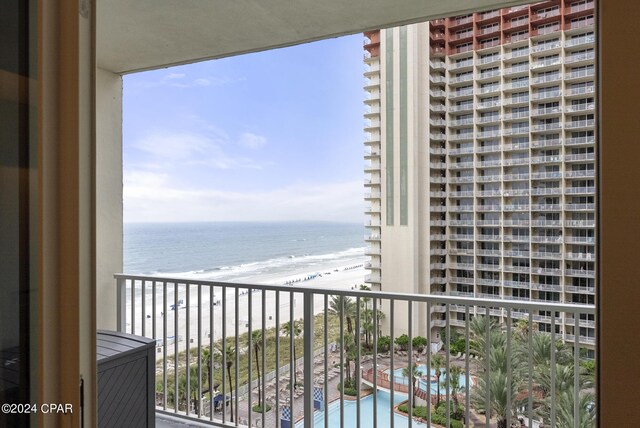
(274, 136)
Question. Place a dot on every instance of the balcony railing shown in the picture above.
(255, 355)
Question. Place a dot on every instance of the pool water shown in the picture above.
(366, 413)
(422, 383)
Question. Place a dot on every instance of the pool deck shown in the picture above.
(333, 378)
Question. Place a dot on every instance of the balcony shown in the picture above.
(543, 63)
(553, 142)
(582, 40)
(543, 47)
(580, 190)
(372, 251)
(250, 321)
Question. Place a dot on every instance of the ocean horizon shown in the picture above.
(258, 252)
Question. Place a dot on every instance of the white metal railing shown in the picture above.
(547, 62)
(546, 142)
(580, 40)
(546, 46)
(227, 353)
(581, 90)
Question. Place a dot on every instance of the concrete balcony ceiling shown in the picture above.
(147, 34)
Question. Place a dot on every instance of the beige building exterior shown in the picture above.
(481, 160)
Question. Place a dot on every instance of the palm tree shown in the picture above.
(437, 362)
(500, 390)
(380, 315)
(565, 410)
(478, 331)
(336, 307)
(230, 355)
(454, 382)
(207, 358)
(563, 400)
(294, 331)
(411, 372)
(256, 339)
(367, 326)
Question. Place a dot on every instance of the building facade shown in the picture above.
(481, 160)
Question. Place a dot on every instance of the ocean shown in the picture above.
(242, 251)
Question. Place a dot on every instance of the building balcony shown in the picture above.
(580, 57)
(585, 23)
(517, 269)
(372, 237)
(517, 253)
(545, 47)
(576, 124)
(372, 195)
(546, 255)
(492, 148)
(547, 63)
(372, 251)
(516, 222)
(517, 284)
(372, 223)
(372, 209)
(580, 223)
(483, 252)
(580, 190)
(461, 108)
(488, 104)
(546, 175)
(582, 107)
(546, 207)
(461, 194)
(546, 223)
(372, 279)
(488, 178)
(588, 240)
(546, 191)
(553, 142)
(545, 287)
(582, 273)
(580, 256)
(546, 159)
(580, 41)
(580, 157)
(584, 290)
(580, 207)
(372, 182)
(461, 151)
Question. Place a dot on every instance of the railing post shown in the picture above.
(308, 360)
(121, 315)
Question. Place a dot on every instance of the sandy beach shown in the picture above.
(210, 316)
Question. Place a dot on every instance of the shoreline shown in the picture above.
(209, 316)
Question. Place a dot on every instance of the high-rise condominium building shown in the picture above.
(481, 159)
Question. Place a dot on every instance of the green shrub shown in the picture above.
(258, 408)
(438, 416)
(588, 367)
(419, 343)
(384, 343)
(402, 341)
(349, 388)
(457, 347)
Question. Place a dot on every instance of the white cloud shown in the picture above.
(149, 199)
(175, 146)
(208, 147)
(172, 76)
(251, 140)
(180, 80)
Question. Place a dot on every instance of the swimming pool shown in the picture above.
(422, 368)
(366, 413)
